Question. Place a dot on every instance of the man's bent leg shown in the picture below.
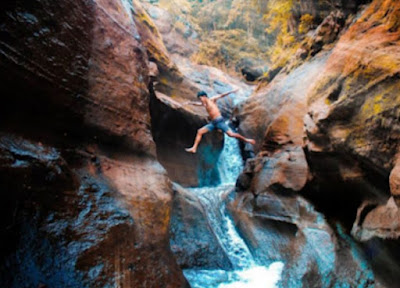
(199, 135)
(240, 137)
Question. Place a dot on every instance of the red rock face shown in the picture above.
(170, 80)
(274, 116)
(351, 97)
(358, 88)
(394, 181)
(177, 41)
(349, 108)
(82, 220)
(88, 205)
(354, 105)
(93, 71)
(118, 98)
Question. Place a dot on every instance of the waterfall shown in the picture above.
(212, 200)
(230, 162)
(246, 272)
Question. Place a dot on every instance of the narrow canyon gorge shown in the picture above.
(98, 190)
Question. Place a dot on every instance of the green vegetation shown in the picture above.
(229, 32)
(233, 33)
(224, 49)
(306, 22)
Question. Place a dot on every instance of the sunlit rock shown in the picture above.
(381, 221)
(353, 122)
(394, 180)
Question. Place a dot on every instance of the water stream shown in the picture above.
(246, 272)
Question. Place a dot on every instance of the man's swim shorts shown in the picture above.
(218, 123)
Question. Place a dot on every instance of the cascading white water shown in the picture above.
(230, 162)
(246, 273)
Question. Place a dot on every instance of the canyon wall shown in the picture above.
(89, 89)
(86, 204)
(327, 130)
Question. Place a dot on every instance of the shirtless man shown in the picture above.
(217, 121)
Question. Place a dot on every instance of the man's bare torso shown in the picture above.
(212, 109)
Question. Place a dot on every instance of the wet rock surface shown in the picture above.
(85, 202)
(286, 227)
(192, 239)
(79, 222)
(284, 170)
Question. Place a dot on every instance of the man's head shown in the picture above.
(201, 94)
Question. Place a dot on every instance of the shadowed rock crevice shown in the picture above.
(383, 254)
(339, 180)
(174, 129)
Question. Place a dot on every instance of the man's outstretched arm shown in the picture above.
(215, 98)
(195, 103)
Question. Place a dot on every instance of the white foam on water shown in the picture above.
(257, 277)
(254, 277)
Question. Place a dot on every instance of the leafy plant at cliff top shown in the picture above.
(282, 25)
(232, 32)
(176, 7)
(306, 23)
(245, 31)
(277, 15)
(212, 16)
(246, 15)
(224, 49)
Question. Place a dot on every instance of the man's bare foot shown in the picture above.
(251, 141)
(190, 150)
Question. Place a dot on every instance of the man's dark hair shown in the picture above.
(201, 94)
